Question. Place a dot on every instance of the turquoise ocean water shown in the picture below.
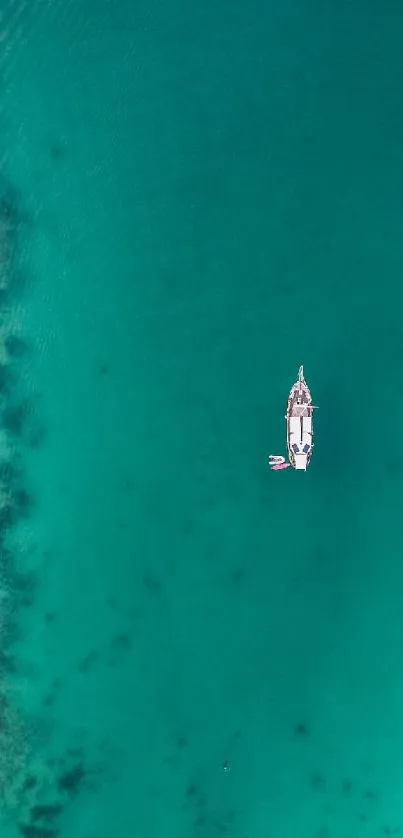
(195, 199)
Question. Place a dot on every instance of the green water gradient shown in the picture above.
(215, 197)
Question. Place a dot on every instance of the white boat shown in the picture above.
(299, 423)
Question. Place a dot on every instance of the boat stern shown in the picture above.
(301, 462)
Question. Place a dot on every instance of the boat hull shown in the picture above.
(299, 423)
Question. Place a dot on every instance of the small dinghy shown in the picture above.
(299, 427)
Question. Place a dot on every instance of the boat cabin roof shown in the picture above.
(300, 434)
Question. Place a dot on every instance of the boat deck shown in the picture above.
(301, 409)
